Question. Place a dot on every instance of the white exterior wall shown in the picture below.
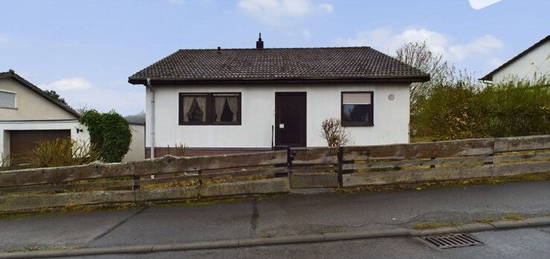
(137, 145)
(391, 118)
(73, 125)
(534, 65)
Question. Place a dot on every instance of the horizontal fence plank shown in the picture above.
(469, 147)
(183, 192)
(19, 203)
(327, 168)
(266, 186)
(443, 174)
(314, 180)
(304, 156)
(522, 168)
(445, 162)
(169, 164)
(522, 143)
(70, 187)
(244, 171)
(16, 203)
(56, 175)
(275, 185)
(515, 158)
(415, 176)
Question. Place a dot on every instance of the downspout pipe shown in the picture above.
(152, 122)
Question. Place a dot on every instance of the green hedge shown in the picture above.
(461, 111)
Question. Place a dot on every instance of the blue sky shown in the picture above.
(86, 49)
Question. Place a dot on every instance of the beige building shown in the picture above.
(29, 115)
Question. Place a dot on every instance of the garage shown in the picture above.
(22, 142)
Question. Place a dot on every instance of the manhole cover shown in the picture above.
(451, 241)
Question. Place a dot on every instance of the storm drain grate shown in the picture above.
(451, 241)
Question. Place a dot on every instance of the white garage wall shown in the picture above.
(391, 117)
(137, 146)
(73, 125)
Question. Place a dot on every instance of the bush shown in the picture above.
(445, 114)
(110, 134)
(460, 111)
(334, 134)
(177, 150)
(4, 162)
(63, 152)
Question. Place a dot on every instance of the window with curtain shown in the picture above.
(210, 109)
(357, 109)
(7, 100)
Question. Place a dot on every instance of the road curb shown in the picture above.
(316, 238)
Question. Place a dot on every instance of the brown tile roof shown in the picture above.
(12, 75)
(278, 65)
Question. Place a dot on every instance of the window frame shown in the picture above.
(352, 123)
(14, 100)
(210, 107)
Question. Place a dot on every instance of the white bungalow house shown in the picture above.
(531, 64)
(236, 100)
(28, 115)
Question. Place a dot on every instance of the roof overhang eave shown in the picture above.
(157, 81)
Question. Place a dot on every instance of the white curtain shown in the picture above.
(234, 105)
(219, 103)
(188, 102)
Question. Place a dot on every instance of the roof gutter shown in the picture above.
(279, 81)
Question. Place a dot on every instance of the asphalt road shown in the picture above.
(282, 216)
(518, 243)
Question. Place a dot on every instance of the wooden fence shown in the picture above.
(446, 160)
(174, 178)
(164, 179)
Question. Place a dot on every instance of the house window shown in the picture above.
(210, 109)
(357, 109)
(7, 99)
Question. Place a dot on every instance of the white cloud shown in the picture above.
(273, 11)
(112, 95)
(388, 41)
(481, 45)
(327, 8)
(480, 4)
(72, 83)
(125, 99)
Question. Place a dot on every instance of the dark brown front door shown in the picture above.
(290, 119)
(22, 142)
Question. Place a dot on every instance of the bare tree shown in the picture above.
(333, 132)
(419, 55)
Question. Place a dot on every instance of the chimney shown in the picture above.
(260, 42)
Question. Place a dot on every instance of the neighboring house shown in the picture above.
(235, 100)
(531, 65)
(28, 116)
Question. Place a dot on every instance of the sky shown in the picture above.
(87, 49)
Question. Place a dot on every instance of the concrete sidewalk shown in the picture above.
(293, 216)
